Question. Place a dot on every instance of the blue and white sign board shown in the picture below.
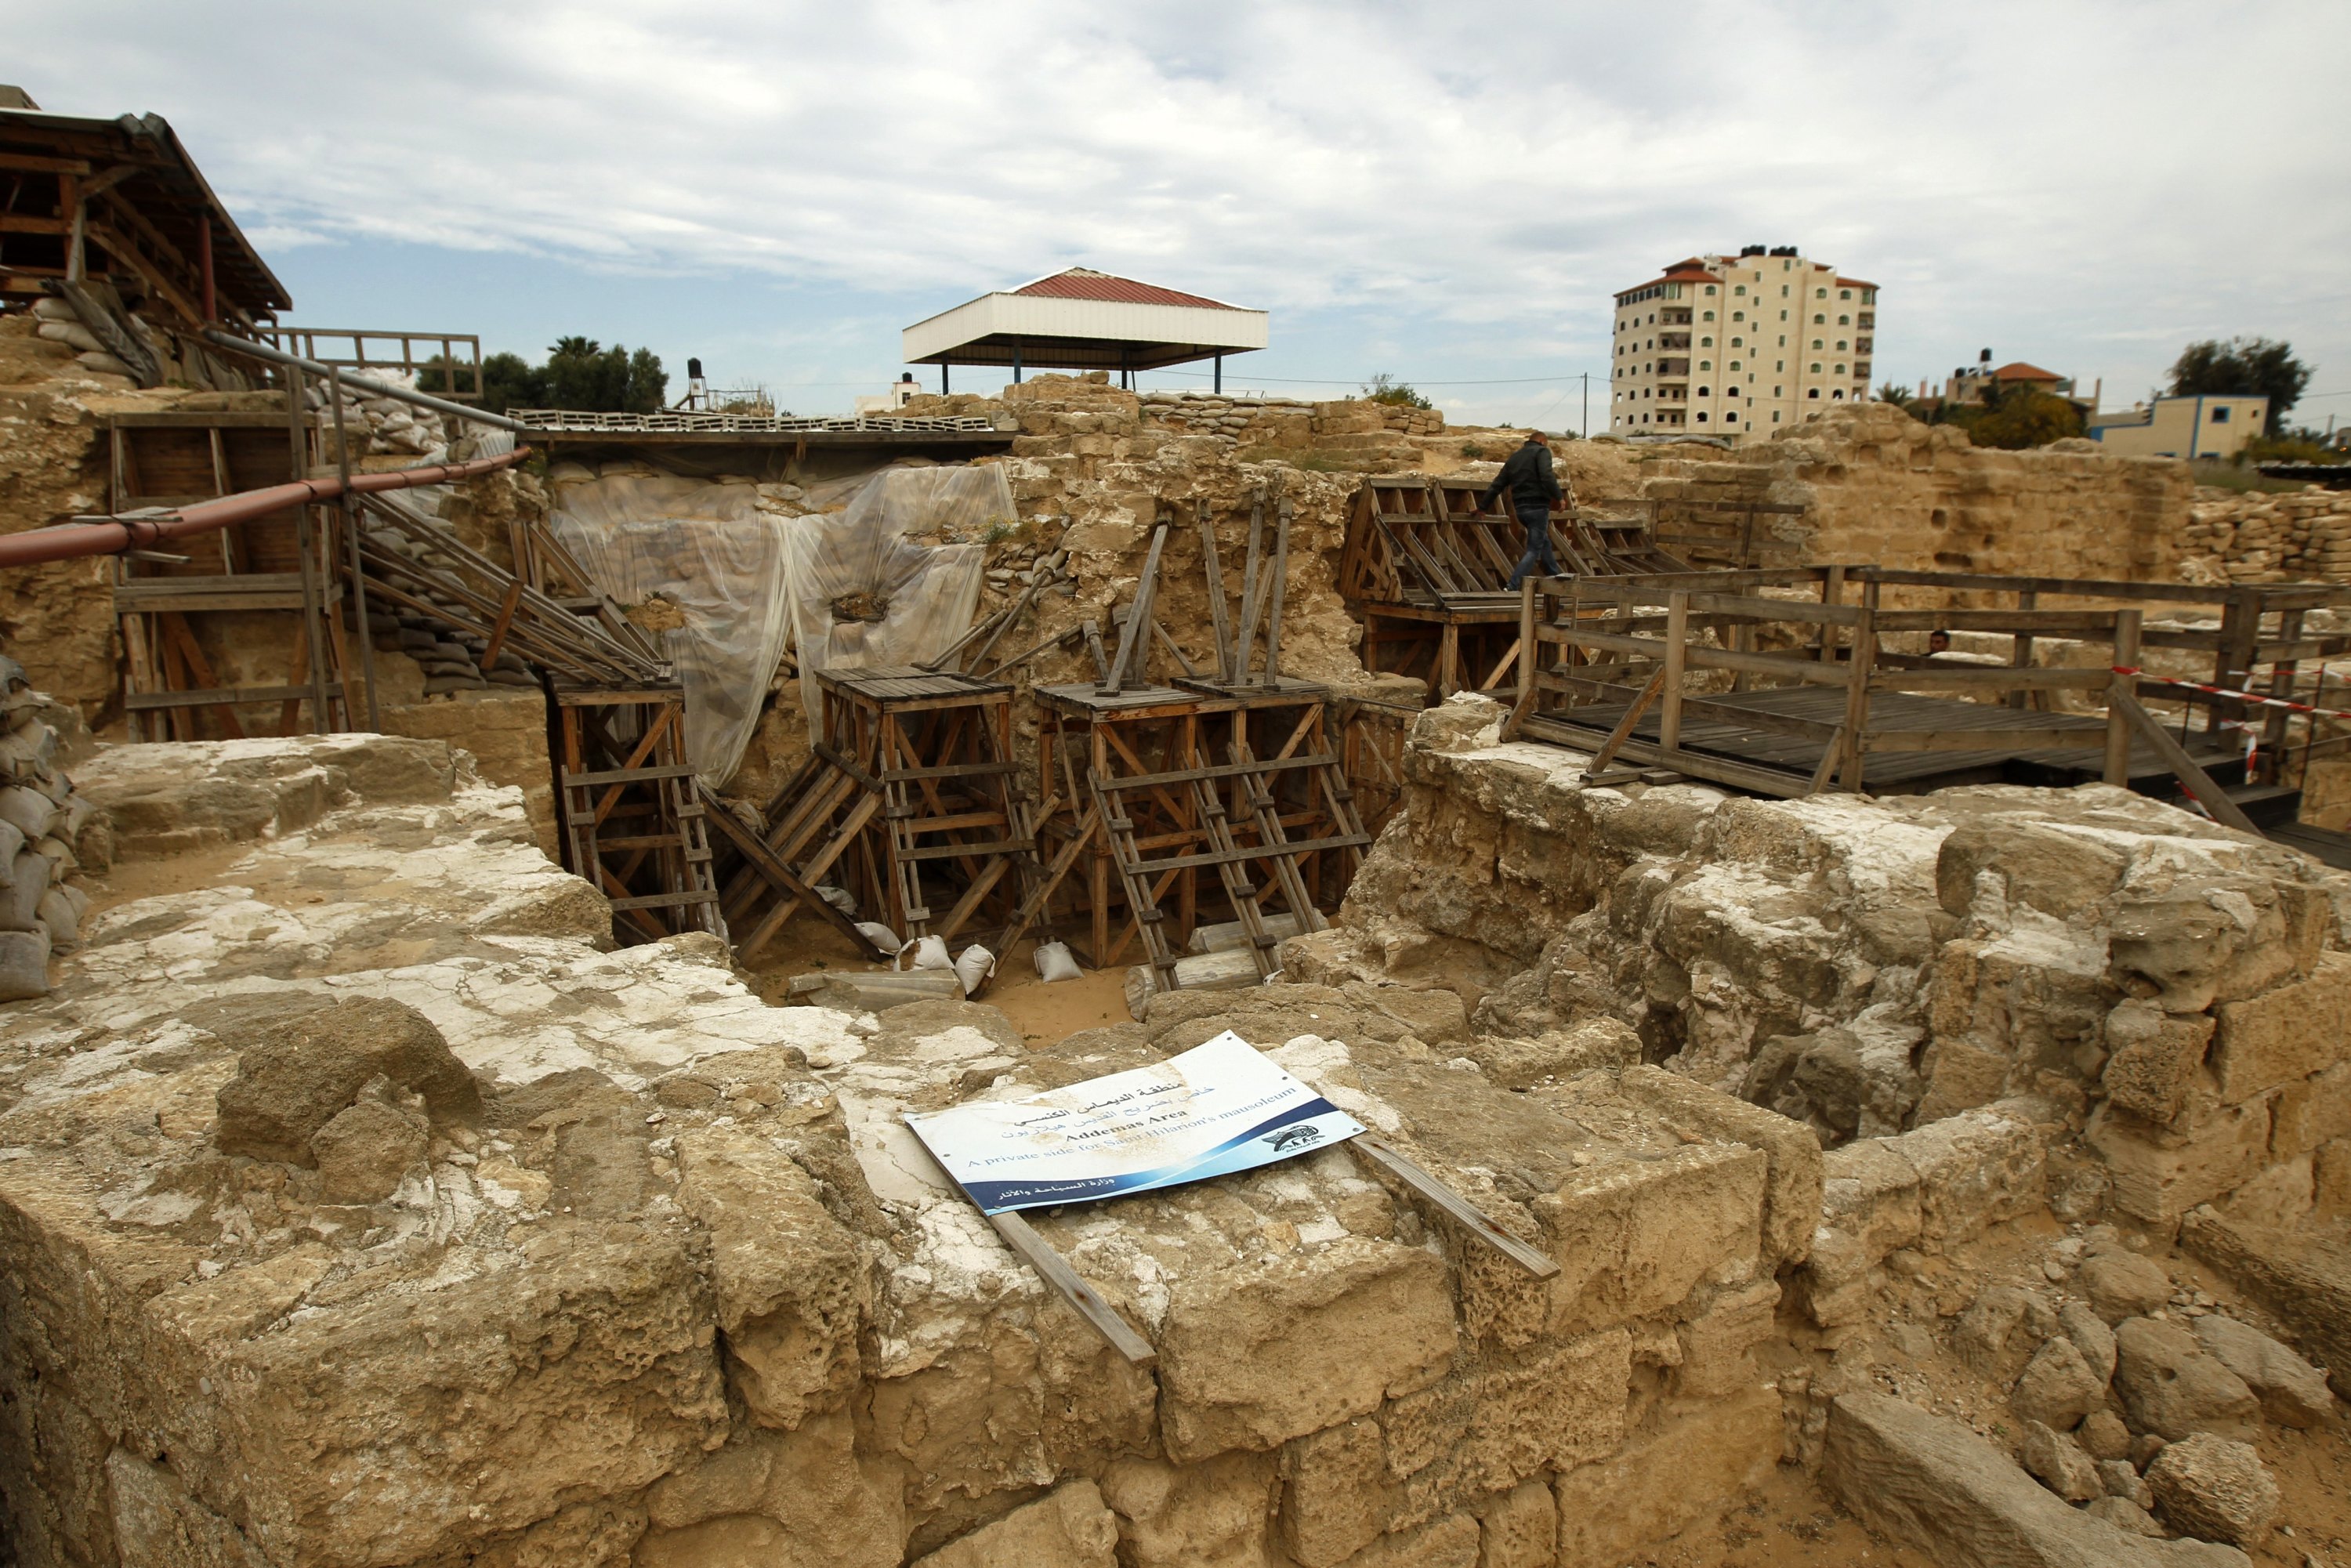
(1218, 1107)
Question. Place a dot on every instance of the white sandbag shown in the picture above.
(884, 940)
(99, 362)
(841, 898)
(1054, 962)
(12, 839)
(49, 307)
(27, 811)
(974, 968)
(20, 901)
(61, 919)
(930, 953)
(73, 334)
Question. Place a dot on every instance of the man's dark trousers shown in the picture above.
(1536, 517)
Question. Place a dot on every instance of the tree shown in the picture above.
(580, 373)
(1386, 389)
(2242, 367)
(2015, 418)
(1899, 396)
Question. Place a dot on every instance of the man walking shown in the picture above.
(1534, 490)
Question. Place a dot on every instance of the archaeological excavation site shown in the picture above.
(589, 989)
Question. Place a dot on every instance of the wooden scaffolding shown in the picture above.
(632, 813)
(909, 803)
(173, 606)
(1229, 773)
(1430, 570)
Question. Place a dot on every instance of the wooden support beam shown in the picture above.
(2199, 784)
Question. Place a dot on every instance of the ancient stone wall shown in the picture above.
(1883, 488)
(2170, 991)
(2251, 537)
(365, 1209)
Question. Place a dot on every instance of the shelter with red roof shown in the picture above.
(1081, 320)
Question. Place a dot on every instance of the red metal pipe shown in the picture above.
(116, 534)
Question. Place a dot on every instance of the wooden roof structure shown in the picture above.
(126, 194)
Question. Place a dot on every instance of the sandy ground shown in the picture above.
(1044, 1014)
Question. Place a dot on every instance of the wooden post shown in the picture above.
(1832, 594)
(1669, 715)
(351, 515)
(2274, 727)
(1217, 619)
(1527, 664)
(1246, 633)
(2118, 724)
(210, 298)
(1856, 688)
(1280, 578)
(2021, 650)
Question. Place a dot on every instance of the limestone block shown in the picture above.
(2056, 871)
(158, 1525)
(2091, 1336)
(1252, 1356)
(2215, 1489)
(1794, 1172)
(2121, 1284)
(2152, 1058)
(1339, 1497)
(2105, 1437)
(1216, 1514)
(298, 1072)
(365, 1150)
(1450, 1542)
(2289, 1032)
(1634, 1238)
(584, 1366)
(1717, 1346)
(1689, 1462)
(2169, 1386)
(1520, 1529)
(1870, 1193)
(2058, 1389)
(2161, 1173)
(1975, 1170)
(791, 1287)
(2313, 1112)
(1488, 1429)
(2057, 1462)
(1067, 1528)
(1931, 1483)
(2293, 1392)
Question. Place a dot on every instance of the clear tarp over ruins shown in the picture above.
(887, 570)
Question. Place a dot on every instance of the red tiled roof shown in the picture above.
(1085, 283)
(2019, 370)
(1855, 283)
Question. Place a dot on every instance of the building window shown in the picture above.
(1734, 365)
(1739, 315)
(1837, 396)
(1817, 343)
(1701, 391)
(1735, 342)
(1813, 392)
(1816, 367)
(1706, 342)
(1821, 293)
(1701, 416)
(1706, 364)
(1776, 392)
(1840, 345)
(1731, 418)
(1819, 321)
(1740, 289)
(1709, 288)
(1840, 370)
(1709, 316)
(1775, 417)
(1844, 320)
(1783, 315)
(1778, 366)
(2219, 416)
(1844, 294)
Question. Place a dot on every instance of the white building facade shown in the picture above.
(1740, 347)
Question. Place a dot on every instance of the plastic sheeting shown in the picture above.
(710, 550)
(890, 575)
(881, 582)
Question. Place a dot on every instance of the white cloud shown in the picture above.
(2086, 185)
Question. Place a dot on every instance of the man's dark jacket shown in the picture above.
(1527, 477)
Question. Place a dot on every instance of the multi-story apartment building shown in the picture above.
(1740, 346)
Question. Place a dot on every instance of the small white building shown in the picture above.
(2196, 426)
(1082, 319)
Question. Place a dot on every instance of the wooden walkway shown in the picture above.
(1796, 759)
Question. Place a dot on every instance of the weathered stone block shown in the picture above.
(1450, 1542)
(1218, 1514)
(2313, 1112)
(1340, 1496)
(1793, 1176)
(1250, 1358)
(2289, 1032)
(2161, 1173)
(1520, 1529)
(791, 1287)
(1717, 1346)
(1634, 1239)
(1067, 1528)
(2153, 1058)
(1690, 1462)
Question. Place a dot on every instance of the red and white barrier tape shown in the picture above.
(2256, 699)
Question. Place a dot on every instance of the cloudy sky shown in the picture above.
(1446, 192)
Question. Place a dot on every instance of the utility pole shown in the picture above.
(1586, 431)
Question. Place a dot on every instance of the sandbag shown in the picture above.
(1054, 962)
(974, 968)
(20, 901)
(884, 940)
(27, 811)
(60, 917)
(930, 953)
(23, 965)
